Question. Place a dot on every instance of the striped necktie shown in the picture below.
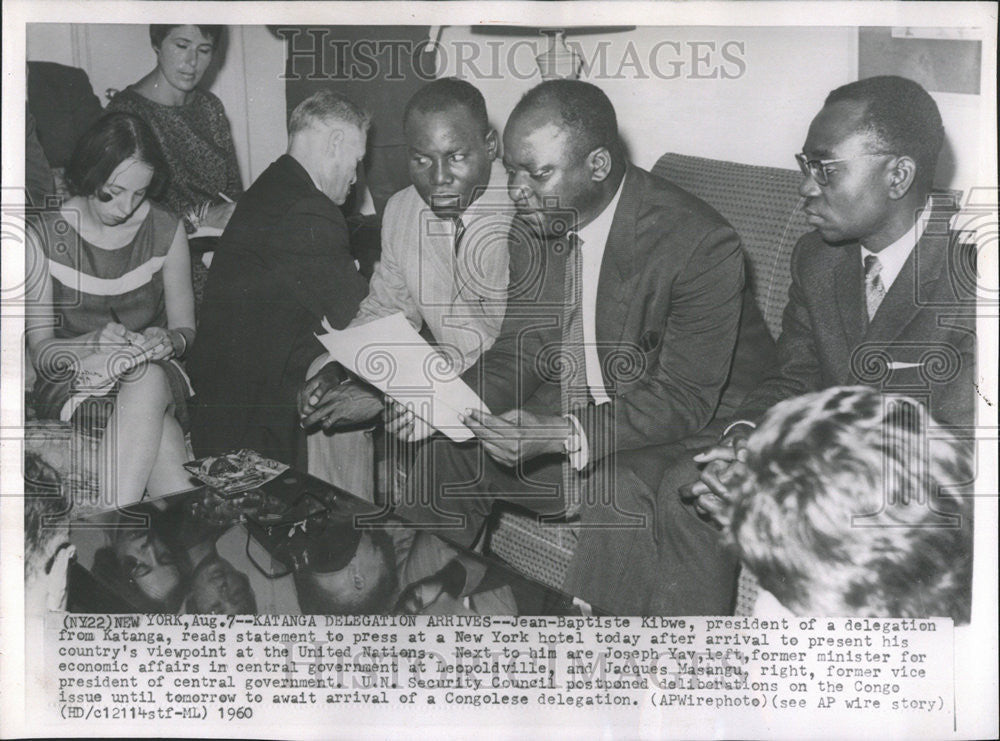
(874, 288)
(459, 233)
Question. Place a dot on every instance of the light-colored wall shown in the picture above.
(768, 84)
(738, 118)
(248, 82)
(755, 110)
(263, 57)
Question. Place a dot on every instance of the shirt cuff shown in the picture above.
(737, 423)
(318, 364)
(575, 445)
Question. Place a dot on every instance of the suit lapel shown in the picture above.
(922, 268)
(850, 295)
(618, 265)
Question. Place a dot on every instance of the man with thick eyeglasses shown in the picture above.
(883, 291)
(819, 170)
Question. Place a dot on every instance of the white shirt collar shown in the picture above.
(595, 234)
(593, 240)
(893, 256)
(492, 201)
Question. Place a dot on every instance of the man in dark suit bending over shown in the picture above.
(623, 312)
(282, 264)
(883, 291)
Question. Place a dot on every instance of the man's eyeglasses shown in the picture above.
(816, 169)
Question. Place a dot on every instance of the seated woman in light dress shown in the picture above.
(110, 298)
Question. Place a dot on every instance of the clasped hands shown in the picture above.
(328, 400)
(723, 469)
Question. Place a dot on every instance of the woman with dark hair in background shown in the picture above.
(109, 295)
(140, 567)
(190, 124)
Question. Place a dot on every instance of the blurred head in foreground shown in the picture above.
(849, 505)
(219, 588)
(144, 568)
(47, 551)
(360, 579)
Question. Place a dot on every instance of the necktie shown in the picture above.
(874, 288)
(573, 375)
(459, 233)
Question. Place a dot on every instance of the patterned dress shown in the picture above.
(197, 144)
(91, 286)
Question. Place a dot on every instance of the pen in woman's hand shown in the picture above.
(117, 320)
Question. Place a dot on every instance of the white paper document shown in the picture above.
(393, 357)
(98, 373)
